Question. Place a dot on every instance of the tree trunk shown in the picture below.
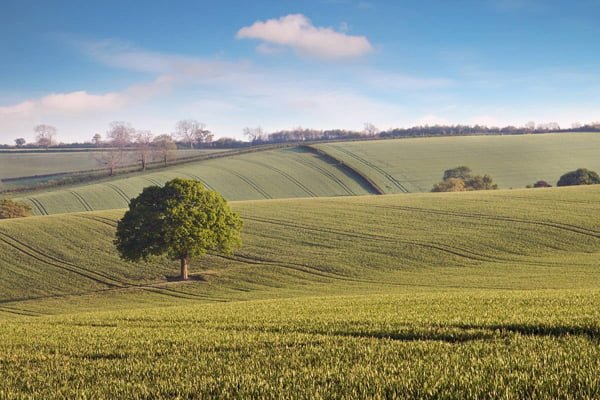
(185, 268)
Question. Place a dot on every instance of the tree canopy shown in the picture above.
(581, 176)
(13, 209)
(181, 220)
(460, 179)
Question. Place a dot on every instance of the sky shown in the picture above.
(280, 64)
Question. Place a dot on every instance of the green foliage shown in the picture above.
(13, 209)
(463, 173)
(460, 179)
(182, 219)
(581, 176)
(541, 184)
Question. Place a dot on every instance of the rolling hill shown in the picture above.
(526, 239)
(414, 165)
(347, 169)
(458, 295)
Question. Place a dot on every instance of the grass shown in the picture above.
(414, 165)
(468, 295)
(39, 162)
(282, 173)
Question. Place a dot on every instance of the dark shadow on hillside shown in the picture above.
(192, 278)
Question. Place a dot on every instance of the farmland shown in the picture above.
(346, 169)
(414, 165)
(282, 173)
(14, 164)
(471, 295)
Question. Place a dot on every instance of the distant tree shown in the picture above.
(255, 134)
(460, 179)
(370, 129)
(462, 172)
(110, 159)
(20, 142)
(44, 135)
(143, 145)
(581, 176)
(541, 184)
(450, 185)
(120, 134)
(97, 139)
(181, 220)
(191, 131)
(13, 209)
(165, 146)
(479, 182)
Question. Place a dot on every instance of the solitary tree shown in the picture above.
(461, 179)
(580, 176)
(20, 142)
(44, 135)
(180, 220)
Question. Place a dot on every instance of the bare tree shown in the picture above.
(255, 134)
(370, 129)
(192, 131)
(44, 135)
(143, 144)
(120, 134)
(165, 146)
(111, 159)
(530, 126)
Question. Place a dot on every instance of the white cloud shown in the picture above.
(297, 31)
(79, 101)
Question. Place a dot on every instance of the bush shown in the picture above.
(541, 184)
(580, 176)
(460, 179)
(13, 209)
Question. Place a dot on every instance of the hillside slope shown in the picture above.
(283, 173)
(414, 165)
(528, 239)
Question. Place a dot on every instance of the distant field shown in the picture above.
(18, 164)
(414, 165)
(468, 295)
(282, 173)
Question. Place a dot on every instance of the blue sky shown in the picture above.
(281, 64)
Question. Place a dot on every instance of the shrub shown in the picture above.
(13, 209)
(460, 179)
(580, 176)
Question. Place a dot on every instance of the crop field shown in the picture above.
(15, 164)
(269, 174)
(463, 295)
(414, 165)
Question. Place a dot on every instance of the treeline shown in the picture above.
(258, 136)
(193, 134)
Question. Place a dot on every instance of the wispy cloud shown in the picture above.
(297, 32)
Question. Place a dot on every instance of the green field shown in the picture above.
(282, 173)
(414, 165)
(467, 295)
(348, 168)
(15, 164)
